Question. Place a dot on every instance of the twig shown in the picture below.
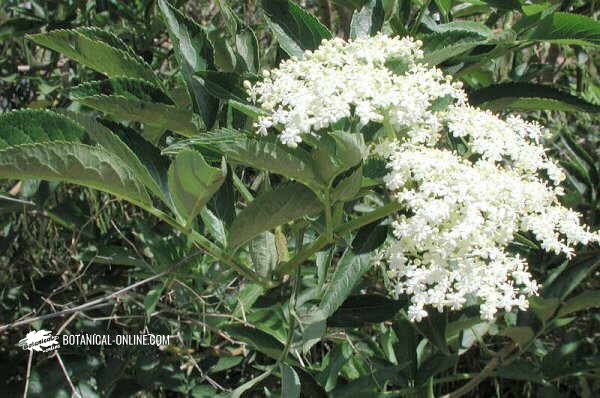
(484, 374)
(62, 366)
(28, 374)
(101, 301)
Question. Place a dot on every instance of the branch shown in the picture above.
(484, 374)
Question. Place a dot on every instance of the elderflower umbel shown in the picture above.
(462, 217)
(460, 211)
(373, 79)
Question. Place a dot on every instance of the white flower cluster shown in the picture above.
(342, 79)
(460, 212)
(461, 216)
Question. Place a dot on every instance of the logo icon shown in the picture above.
(40, 340)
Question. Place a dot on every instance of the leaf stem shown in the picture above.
(324, 239)
(210, 248)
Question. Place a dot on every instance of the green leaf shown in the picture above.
(587, 299)
(247, 49)
(370, 237)
(346, 276)
(224, 85)
(153, 114)
(273, 208)
(18, 27)
(566, 28)
(109, 140)
(444, 6)
(337, 152)
(406, 347)
(434, 365)
(434, 328)
(194, 54)
(247, 297)
(257, 339)
(150, 156)
(96, 49)
(130, 88)
(452, 39)
(360, 310)
(248, 110)
(310, 388)
(520, 369)
(214, 226)
(347, 185)
(519, 334)
(338, 357)
(225, 363)
(528, 96)
(543, 308)
(290, 382)
(192, 182)
(368, 21)
(152, 298)
(263, 252)
(263, 153)
(31, 126)
(295, 29)
(568, 279)
(76, 163)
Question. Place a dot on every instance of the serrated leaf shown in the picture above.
(130, 88)
(368, 20)
(151, 113)
(273, 208)
(150, 156)
(77, 163)
(295, 29)
(246, 109)
(87, 46)
(111, 141)
(449, 43)
(263, 153)
(527, 96)
(406, 347)
(31, 126)
(346, 276)
(338, 357)
(192, 182)
(567, 28)
(263, 252)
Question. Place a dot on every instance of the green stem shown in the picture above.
(368, 218)
(210, 248)
(246, 194)
(415, 26)
(324, 239)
